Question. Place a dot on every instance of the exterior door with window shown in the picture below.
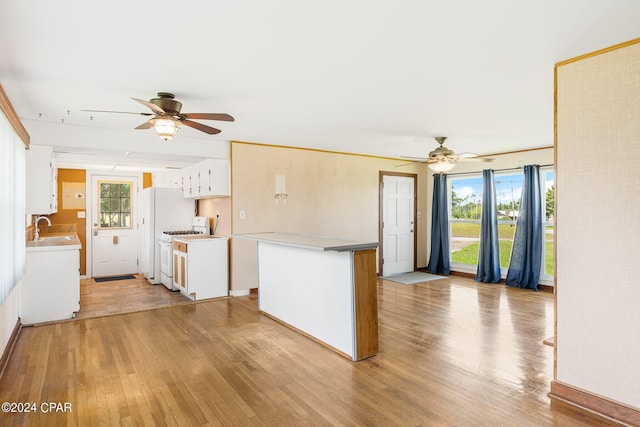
(114, 235)
(398, 224)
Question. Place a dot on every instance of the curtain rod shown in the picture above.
(495, 170)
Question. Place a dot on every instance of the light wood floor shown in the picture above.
(99, 299)
(452, 353)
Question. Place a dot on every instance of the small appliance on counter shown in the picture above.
(199, 226)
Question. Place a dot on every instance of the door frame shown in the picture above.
(381, 176)
(91, 206)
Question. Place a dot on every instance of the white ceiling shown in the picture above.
(370, 77)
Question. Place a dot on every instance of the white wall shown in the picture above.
(329, 194)
(598, 231)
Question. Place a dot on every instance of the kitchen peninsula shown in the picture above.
(323, 287)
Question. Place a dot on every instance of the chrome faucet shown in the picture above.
(36, 236)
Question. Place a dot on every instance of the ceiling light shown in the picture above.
(166, 128)
(441, 166)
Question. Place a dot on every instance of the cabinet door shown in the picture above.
(41, 181)
(184, 279)
(185, 178)
(54, 186)
(180, 271)
(214, 178)
(195, 183)
(221, 178)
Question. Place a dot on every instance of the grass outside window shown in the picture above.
(469, 253)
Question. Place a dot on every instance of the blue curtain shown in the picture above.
(489, 251)
(439, 262)
(526, 255)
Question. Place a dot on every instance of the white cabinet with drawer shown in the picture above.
(201, 266)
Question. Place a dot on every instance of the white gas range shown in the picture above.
(200, 226)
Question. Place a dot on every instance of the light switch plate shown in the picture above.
(82, 214)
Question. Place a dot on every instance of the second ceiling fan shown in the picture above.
(443, 159)
(167, 116)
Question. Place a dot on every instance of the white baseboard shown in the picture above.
(239, 292)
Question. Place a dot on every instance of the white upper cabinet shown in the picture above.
(41, 180)
(167, 179)
(209, 178)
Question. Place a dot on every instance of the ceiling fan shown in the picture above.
(167, 117)
(443, 159)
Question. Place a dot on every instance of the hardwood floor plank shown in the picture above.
(452, 352)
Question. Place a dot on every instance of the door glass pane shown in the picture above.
(114, 204)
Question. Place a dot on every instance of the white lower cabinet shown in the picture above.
(201, 266)
(50, 287)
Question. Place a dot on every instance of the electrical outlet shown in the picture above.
(82, 214)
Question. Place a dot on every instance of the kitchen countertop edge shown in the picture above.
(317, 243)
(54, 245)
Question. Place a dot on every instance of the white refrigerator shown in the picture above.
(163, 209)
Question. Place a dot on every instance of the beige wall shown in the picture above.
(217, 206)
(70, 216)
(598, 254)
(329, 194)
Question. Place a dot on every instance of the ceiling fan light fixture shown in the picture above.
(166, 128)
(441, 166)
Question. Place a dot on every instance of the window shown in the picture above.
(508, 194)
(466, 209)
(548, 175)
(12, 208)
(114, 204)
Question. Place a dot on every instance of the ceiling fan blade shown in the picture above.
(466, 155)
(145, 125)
(153, 107)
(119, 112)
(410, 163)
(418, 159)
(475, 159)
(201, 127)
(209, 116)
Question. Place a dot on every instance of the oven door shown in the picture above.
(166, 264)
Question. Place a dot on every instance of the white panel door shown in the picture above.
(398, 224)
(114, 236)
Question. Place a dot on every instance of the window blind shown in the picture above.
(12, 208)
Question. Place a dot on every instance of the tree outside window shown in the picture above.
(115, 204)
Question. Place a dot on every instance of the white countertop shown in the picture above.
(198, 237)
(64, 242)
(318, 243)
